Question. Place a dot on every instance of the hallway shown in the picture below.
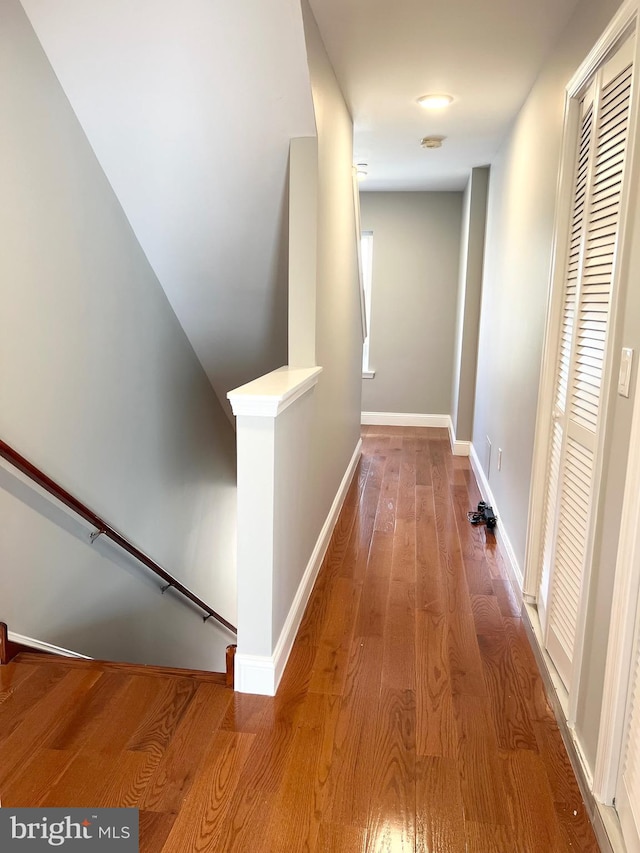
(411, 716)
(412, 709)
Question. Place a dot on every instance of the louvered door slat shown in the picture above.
(602, 236)
(610, 177)
(593, 344)
(607, 169)
(599, 249)
(604, 208)
(611, 152)
(613, 110)
(572, 520)
(614, 127)
(613, 140)
(605, 227)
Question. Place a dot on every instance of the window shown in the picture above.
(366, 249)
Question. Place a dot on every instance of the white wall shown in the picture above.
(416, 240)
(514, 300)
(100, 388)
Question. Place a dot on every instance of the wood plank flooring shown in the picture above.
(411, 716)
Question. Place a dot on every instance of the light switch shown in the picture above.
(624, 379)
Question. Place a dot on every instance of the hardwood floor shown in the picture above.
(411, 716)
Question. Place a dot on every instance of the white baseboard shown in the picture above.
(461, 448)
(458, 448)
(513, 568)
(260, 673)
(39, 646)
(255, 674)
(404, 419)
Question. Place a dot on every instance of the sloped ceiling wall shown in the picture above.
(190, 108)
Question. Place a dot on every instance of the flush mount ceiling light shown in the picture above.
(436, 101)
(432, 141)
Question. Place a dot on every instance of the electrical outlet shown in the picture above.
(499, 459)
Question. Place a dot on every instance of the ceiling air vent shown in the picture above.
(432, 141)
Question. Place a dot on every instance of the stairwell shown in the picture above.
(145, 276)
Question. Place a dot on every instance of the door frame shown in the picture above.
(625, 20)
(626, 592)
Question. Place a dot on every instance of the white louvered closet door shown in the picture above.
(628, 788)
(576, 239)
(582, 353)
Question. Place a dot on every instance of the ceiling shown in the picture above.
(386, 55)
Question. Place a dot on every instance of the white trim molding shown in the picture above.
(409, 419)
(41, 646)
(513, 567)
(620, 25)
(458, 448)
(461, 448)
(626, 590)
(272, 393)
(254, 674)
(404, 419)
(262, 673)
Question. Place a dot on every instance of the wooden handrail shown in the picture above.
(104, 529)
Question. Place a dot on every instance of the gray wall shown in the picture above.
(162, 93)
(336, 422)
(474, 218)
(101, 389)
(416, 250)
(514, 300)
